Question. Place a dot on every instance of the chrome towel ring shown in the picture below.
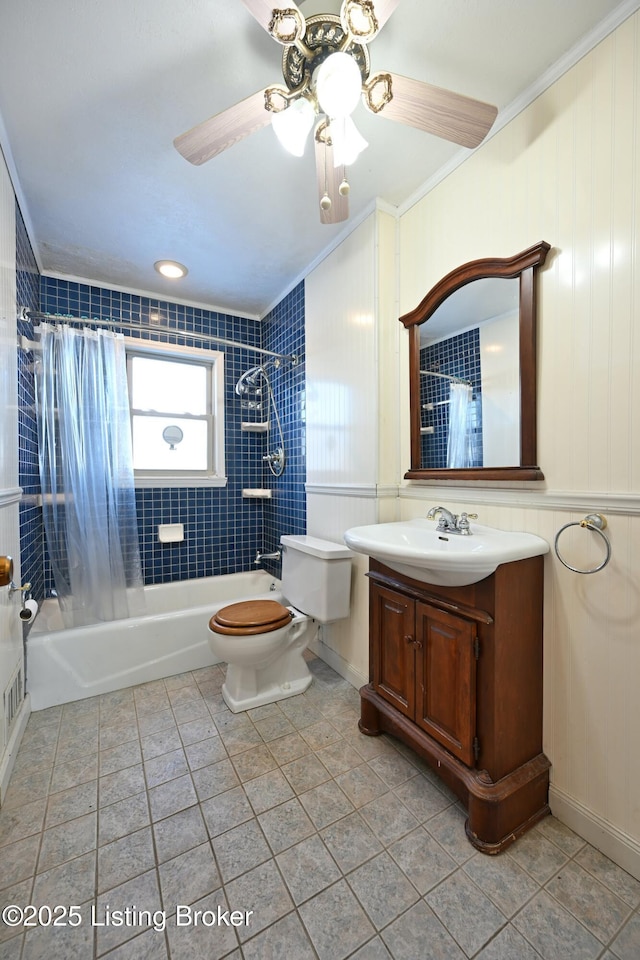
(595, 522)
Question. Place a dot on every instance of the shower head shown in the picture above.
(252, 378)
(249, 381)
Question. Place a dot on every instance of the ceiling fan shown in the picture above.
(325, 65)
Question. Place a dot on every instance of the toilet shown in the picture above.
(263, 641)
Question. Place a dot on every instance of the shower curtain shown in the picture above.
(459, 436)
(86, 473)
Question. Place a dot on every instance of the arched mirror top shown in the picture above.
(473, 372)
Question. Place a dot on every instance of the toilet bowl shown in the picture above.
(263, 641)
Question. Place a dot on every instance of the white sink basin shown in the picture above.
(417, 549)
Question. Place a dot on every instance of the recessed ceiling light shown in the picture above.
(171, 269)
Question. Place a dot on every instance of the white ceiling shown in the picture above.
(92, 93)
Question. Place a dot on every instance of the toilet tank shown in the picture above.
(316, 576)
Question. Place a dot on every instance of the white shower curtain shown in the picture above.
(86, 473)
(459, 435)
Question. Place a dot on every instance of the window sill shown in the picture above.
(185, 481)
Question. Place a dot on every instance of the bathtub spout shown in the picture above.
(276, 555)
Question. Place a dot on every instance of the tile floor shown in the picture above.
(179, 830)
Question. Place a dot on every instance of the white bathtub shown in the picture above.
(65, 665)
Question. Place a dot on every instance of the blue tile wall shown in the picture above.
(223, 530)
(286, 512)
(457, 356)
(31, 531)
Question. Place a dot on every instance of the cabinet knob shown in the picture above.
(415, 643)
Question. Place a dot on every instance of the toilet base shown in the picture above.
(269, 694)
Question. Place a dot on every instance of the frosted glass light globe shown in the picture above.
(338, 85)
(292, 125)
(348, 142)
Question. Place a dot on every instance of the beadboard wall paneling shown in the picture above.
(11, 656)
(8, 334)
(342, 401)
(567, 170)
(328, 516)
(387, 345)
(352, 338)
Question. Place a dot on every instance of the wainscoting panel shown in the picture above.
(13, 707)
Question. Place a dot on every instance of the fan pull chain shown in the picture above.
(325, 203)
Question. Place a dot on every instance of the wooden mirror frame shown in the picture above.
(523, 266)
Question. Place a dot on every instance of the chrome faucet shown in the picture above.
(276, 555)
(450, 523)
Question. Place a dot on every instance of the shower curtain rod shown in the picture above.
(146, 328)
(446, 376)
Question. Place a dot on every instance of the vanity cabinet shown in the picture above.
(425, 665)
(456, 673)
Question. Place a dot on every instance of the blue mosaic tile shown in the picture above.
(285, 513)
(31, 530)
(457, 356)
(223, 530)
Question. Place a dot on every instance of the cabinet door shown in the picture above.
(392, 623)
(446, 680)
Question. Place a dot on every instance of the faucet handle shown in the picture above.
(463, 524)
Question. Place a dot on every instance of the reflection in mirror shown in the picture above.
(469, 378)
(472, 347)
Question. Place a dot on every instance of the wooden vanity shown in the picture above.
(456, 673)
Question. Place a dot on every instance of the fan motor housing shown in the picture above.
(324, 35)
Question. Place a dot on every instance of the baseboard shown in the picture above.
(618, 846)
(9, 757)
(337, 663)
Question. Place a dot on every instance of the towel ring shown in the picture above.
(595, 522)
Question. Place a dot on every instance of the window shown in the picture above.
(177, 415)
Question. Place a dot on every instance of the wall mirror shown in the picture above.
(472, 372)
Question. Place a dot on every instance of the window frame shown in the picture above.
(213, 360)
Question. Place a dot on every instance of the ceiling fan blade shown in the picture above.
(435, 110)
(364, 19)
(212, 136)
(280, 18)
(329, 180)
(384, 9)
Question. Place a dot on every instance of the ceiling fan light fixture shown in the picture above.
(171, 269)
(292, 126)
(348, 142)
(338, 85)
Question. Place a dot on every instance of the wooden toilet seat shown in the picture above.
(250, 617)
